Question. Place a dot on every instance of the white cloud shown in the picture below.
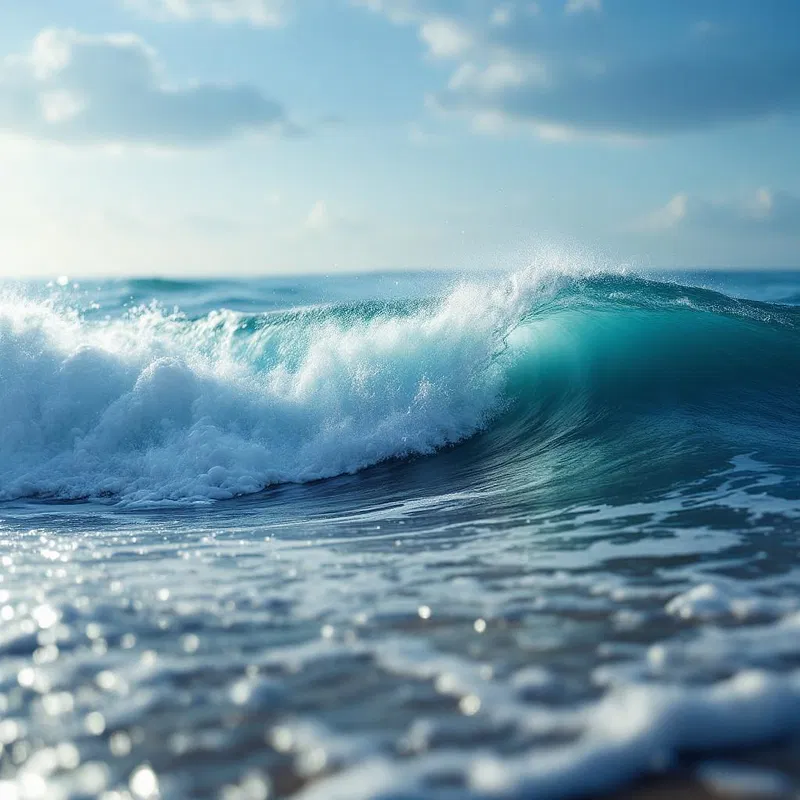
(763, 210)
(79, 89)
(445, 38)
(495, 75)
(668, 216)
(262, 13)
(489, 122)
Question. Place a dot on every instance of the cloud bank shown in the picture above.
(612, 68)
(79, 89)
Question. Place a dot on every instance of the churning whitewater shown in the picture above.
(155, 406)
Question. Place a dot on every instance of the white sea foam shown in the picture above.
(635, 730)
(711, 601)
(155, 407)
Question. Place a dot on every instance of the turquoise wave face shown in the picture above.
(624, 384)
(549, 384)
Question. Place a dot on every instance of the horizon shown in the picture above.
(54, 279)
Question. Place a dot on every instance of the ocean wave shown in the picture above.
(158, 407)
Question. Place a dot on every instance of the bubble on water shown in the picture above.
(56, 703)
(46, 616)
(9, 791)
(46, 655)
(95, 723)
(254, 786)
(108, 681)
(120, 744)
(92, 778)
(144, 783)
(93, 631)
(68, 755)
(312, 762)
(32, 785)
(26, 677)
(327, 631)
(282, 739)
(470, 705)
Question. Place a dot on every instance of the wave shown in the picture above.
(548, 377)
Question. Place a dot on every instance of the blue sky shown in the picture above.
(261, 136)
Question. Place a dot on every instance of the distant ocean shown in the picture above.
(395, 536)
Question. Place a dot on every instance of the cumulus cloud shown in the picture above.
(611, 68)
(445, 38)
(262, 13)
(80, 89)
(763, 210)
(668, 216)
(653, 98)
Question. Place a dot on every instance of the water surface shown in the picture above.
(395, 536)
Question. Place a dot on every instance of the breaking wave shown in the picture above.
(557, 379)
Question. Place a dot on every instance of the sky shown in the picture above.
(219, 137)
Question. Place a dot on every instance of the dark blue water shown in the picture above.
(403, 535)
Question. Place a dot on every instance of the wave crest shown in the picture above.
(157, 407)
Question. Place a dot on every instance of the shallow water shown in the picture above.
(395, 536)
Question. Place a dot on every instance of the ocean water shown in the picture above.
(396, 536)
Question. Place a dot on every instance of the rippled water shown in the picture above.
(391, 537)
